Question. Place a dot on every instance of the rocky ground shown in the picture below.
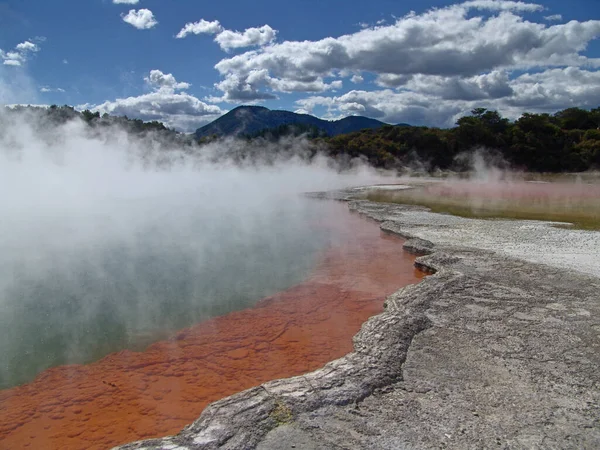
(490, 351)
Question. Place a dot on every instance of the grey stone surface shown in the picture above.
(489, 352)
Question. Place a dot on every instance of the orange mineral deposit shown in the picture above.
(128, 396)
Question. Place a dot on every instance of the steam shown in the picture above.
(109, 240)
(485, 166)
(487, 187)
(489, 178)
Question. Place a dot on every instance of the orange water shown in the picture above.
(128, 396)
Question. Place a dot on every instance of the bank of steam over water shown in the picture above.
(109, 241)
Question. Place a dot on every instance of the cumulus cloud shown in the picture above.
(433, 100)
(200, 27)
(27, 46)
(446, 42)
(491, 85)
(556, 89)
(12, 58)
(248, 89)
(20, 54)
(229, 39)
(159, 80)
(236, 90)
(424, 68)
(142, 19)
(126, 2)
(386, 105)
(553, 17)
(46, 89)
(502, 5)
(178, 110)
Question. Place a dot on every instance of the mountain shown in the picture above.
(248, 120)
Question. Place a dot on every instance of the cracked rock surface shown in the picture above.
(489, 352)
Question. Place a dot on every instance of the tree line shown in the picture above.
(52, 116)
(567, 141)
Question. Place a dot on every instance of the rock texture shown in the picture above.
(490, 352)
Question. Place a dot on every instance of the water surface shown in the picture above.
(88, 286)
(128, 396)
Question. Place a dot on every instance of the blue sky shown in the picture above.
(421, 62)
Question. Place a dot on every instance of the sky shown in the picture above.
(185, 63)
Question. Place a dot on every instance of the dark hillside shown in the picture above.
(567, 141)
(250, 120)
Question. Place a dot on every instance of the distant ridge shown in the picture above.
(247, 120)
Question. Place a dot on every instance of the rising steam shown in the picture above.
(109, 240)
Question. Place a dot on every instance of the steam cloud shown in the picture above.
(107, 240)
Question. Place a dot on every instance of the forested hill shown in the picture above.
(568, 140)
(253, 120)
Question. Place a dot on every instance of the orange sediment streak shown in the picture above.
(128, 396)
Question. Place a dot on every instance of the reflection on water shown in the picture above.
(85, 292)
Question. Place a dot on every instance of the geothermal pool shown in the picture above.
(164, 333)
(78, 290)
(555, 223)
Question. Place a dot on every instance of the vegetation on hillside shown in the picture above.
(568, 140)
(287, 130)
(53, 116)
(249, 120)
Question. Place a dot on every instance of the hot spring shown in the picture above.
(570, 201)
(76, 289)
(132, 273)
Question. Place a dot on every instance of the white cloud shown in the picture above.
(433, 101)
(454, 43)
(157, 79)
(65, 61)
(556, 89)
(46, 89)
(178, 110)
(181, 111)
(357, 79)
(27, 46)
(502, 5)
(553, 18)
(495, 84)
(20, 54)
(142, 19)
(228, 39)
(200, 27)
(12, 58)
(126, 2)
(238, 90)
(247, 90)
